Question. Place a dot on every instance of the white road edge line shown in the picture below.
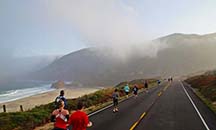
(100, 110)
(203, 121)
(104, 108)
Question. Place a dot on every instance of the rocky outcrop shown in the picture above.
(58, 85)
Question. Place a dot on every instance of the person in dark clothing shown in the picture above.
(158, 82)
(115, 97)
(135, 90)
(146, 86)
(61, 97)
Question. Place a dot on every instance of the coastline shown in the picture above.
(44, 98)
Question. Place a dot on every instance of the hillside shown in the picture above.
(205, 83)
(205, 87)
(184, 54)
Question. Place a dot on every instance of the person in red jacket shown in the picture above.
(79, 119)
(60, 116)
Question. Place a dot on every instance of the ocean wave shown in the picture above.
(13, 95)
(8, 93)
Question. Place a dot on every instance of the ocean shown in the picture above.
(22, 89)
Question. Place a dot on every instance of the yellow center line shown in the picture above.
(165, 88)
(159, 94)
(144, 114)
(136, 123)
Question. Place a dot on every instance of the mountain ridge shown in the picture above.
(89, 66)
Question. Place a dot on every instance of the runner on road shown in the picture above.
(61, 97)
(146, 86)
(158, 82)
(135, 90)
(60, 116)
(79, 119)
(127, 89)
(115, 97)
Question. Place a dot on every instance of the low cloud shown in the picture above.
(107, 23)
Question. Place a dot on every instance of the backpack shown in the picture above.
(57, 100)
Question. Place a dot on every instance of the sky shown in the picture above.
(58, 27)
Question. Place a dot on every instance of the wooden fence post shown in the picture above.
(4, 108)
(21, 108)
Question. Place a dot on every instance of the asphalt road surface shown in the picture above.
(171, 106)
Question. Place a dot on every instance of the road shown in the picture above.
(167, 107)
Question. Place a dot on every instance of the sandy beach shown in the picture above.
(44, 98)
